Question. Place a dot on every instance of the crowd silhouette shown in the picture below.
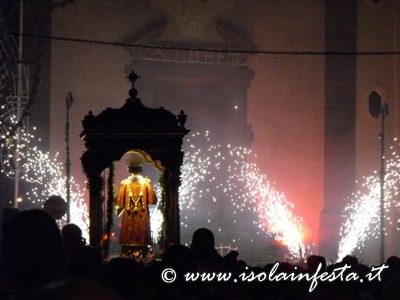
(40, 261)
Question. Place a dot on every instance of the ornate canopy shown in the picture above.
(154, 132)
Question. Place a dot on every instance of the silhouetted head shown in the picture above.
(313, 262)
(231, 258)
(180, 258)
(32, 250)
(56, 206)
(72, 235)
(393, 261)
(123, 276)
(203, 238)
(350, 260)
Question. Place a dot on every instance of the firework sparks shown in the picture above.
(276, 213)
(362, 213)
(248, 191)
(46, 174)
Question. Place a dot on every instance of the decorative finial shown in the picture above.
(182, 118)
(132, 78)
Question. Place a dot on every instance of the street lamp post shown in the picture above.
(68, 102)
(376, 109)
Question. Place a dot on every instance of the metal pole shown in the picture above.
(69, 102)
(382, 182)
(376, 108)
(19, 101)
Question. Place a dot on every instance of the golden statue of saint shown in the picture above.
(133, 199)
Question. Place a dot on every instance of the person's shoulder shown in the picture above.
(125, 181)
(145, 180)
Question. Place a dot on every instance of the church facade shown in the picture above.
(289, 80)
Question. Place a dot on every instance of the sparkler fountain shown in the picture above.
(247, 192)
(363, 213)
(45, 176)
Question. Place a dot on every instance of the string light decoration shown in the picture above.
(13, 153)
(246, 191)
(19, 159)
(361, 215)
(18, 83)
